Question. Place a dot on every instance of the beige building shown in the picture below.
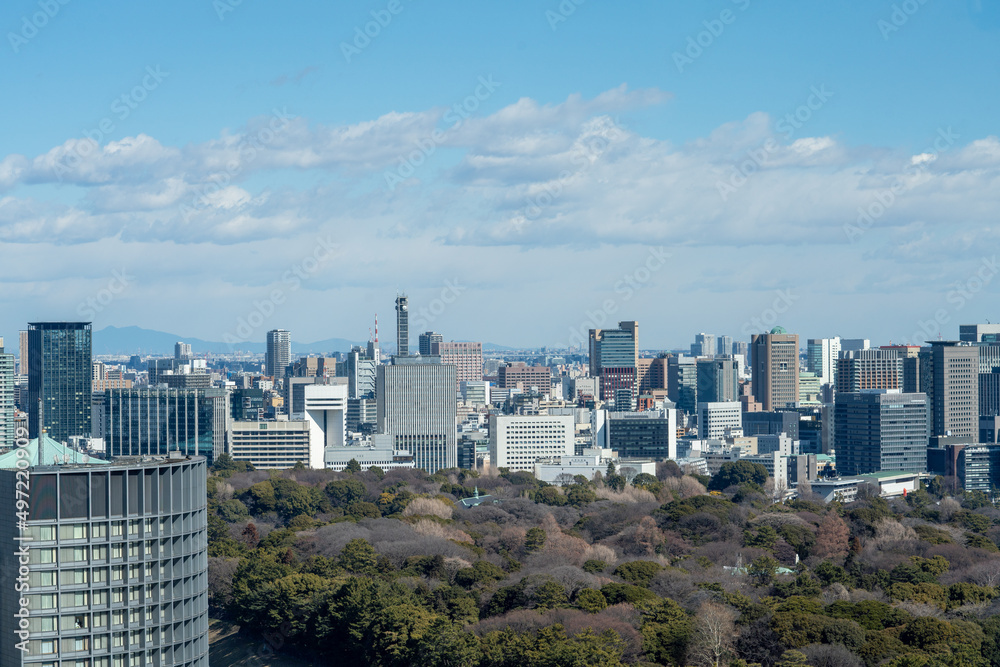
(775, 379)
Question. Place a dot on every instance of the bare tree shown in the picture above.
(714, 635)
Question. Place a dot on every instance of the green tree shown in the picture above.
(763, 569)
(233, 511)
(764, 537)
(638, 572)
(397, 631)
(734, 473)
(445, 644)
(358, 556)
(345, 491)
(666, 633)
(550, 595)
(792, 658)
(590, 600)
(377, 471)
(353, 466)
(534, 540)
(481, 572)
(359, 509)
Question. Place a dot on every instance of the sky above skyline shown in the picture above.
(524, 171)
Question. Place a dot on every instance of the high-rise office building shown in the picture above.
(742, 348)
(821, 358)
(703, 346)
(279, 353)
(416, 405)
(467, 359)
(402, 326)
(858, 370)
(155, 421)
(427, 341)
(182, 351)
(775, 379)
(360, 374)
(22, 352)
(725, 345)
(519, 375)
(854, 344)
(979, 333)
(7, 399)
(772, 423)
(881, 429)
(910, 354)
(949, 375)
(614, 355)
(718, 380)
(682, 382)
(326, 412)
(59, 378)
(116, 557)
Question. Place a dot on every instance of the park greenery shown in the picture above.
(386, 568)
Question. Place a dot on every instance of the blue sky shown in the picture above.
(269, 168)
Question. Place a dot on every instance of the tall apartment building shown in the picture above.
(402, 326)
(517, 441)
(7, 402)
(715, 418)
(703, 346)
(614, 355)
(869, 369)
(416, 405)
(718, 380)
(155, 421)
(116, 556)
(279, 353)
(59, 378)
(467, 359)
(182, 351)
(949, 375)
(652, 374)
(22, 352)
(821, 358)
(881, 429)
(520, 375)
(427, 340)
(775, 379)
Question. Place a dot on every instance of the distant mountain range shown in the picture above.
(136, 340)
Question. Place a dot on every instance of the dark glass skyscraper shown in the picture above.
(59, 375)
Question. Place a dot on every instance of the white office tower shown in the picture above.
(518, 441)
(416, 405)
(325, 408)
(716, 419)
(821, 358)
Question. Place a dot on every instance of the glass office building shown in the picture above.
(59, 378)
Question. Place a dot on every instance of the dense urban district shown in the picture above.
(461, 504)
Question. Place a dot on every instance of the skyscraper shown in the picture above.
(881, 429)
(869, 369)
(725, 345)
(59, 378)
(703, 346)
(949, 375)
(22, 352)
(417, 407)
(614, 355)
(775, 379)
(279, 353)
(402, 326)
(427, 341)
(979, 333)
(718, 380)
(7, 428)
(182, 351)
(467, 358)
(821, 358)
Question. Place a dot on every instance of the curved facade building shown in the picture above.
(116, 561)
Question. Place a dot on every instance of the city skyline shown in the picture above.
(673, 159)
